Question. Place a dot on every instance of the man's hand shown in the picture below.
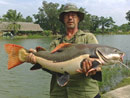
(31, 57)
(87, 67)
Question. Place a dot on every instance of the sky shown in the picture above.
(108, 8)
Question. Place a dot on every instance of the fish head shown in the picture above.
(109, 55)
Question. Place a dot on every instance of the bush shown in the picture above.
(47, 32)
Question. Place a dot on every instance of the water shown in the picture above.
(119, 41)
(20, 82)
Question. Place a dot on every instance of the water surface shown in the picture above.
(20, 82)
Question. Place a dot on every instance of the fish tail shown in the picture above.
(16, 55)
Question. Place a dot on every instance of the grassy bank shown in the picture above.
(112, 76)
(124, 82)
(31, 36)
(23, 37)
(50, 35)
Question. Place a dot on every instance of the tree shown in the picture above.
(1, 19)
(85, 24)
(29, 19)
(47, 16)
(95, 23)
(125, 27)
(115, 28)
(12, 16)
(14, 27)
(128, 16)
(106, 22)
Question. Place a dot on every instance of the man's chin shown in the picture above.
(70, 26)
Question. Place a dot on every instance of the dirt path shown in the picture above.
(122, 92)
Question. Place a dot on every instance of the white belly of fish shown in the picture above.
(69, 66)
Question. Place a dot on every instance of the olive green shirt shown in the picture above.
(79, 86)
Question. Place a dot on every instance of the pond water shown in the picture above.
(20, 82)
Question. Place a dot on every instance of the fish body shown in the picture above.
(67, 58)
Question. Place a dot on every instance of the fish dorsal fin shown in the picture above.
(62, 45)
(40, 49)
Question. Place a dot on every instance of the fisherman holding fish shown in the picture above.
(81, 85)
(74, 62)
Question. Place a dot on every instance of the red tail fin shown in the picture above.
(13, 52)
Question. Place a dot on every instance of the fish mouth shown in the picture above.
(121, 59)
(102, 58)
(110, 59)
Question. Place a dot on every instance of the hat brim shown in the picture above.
(80, 15)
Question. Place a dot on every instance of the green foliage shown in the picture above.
(12, 16)
(125, 27)
(48, 18)
(29, 19)
(128, 16)
(14, 27)
(95, 23)
(106, 22)
(34, 36)
(112, 75)
(124, 82)
(47, 32)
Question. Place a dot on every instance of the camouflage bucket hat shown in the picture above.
(70, 8)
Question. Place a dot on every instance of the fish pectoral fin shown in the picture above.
(36, 66)
(95, 64)
(40, 49)
(63, 79)
(98, 75)
(62, 45)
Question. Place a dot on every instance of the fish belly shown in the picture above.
(69, 66)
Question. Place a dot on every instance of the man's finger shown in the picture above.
(31, 58)
(85, 67)
(91, 71)
(79, 70)
(98, 68)
(32, 50)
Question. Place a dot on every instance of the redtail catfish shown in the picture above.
(65, 58)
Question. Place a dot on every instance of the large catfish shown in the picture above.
(66, 58)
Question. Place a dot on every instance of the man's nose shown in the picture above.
(70, 16)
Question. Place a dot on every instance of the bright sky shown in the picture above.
(115, 8)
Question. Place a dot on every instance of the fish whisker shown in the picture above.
(124, 65)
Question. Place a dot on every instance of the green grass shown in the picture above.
(25, 36)
(112, 76)
(35, 36)
(124, 82)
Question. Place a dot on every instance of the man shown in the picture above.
(81, 85)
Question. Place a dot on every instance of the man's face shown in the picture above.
(71, 20)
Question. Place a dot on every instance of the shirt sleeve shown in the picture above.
(91, 39)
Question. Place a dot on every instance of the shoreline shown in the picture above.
(120, 91)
